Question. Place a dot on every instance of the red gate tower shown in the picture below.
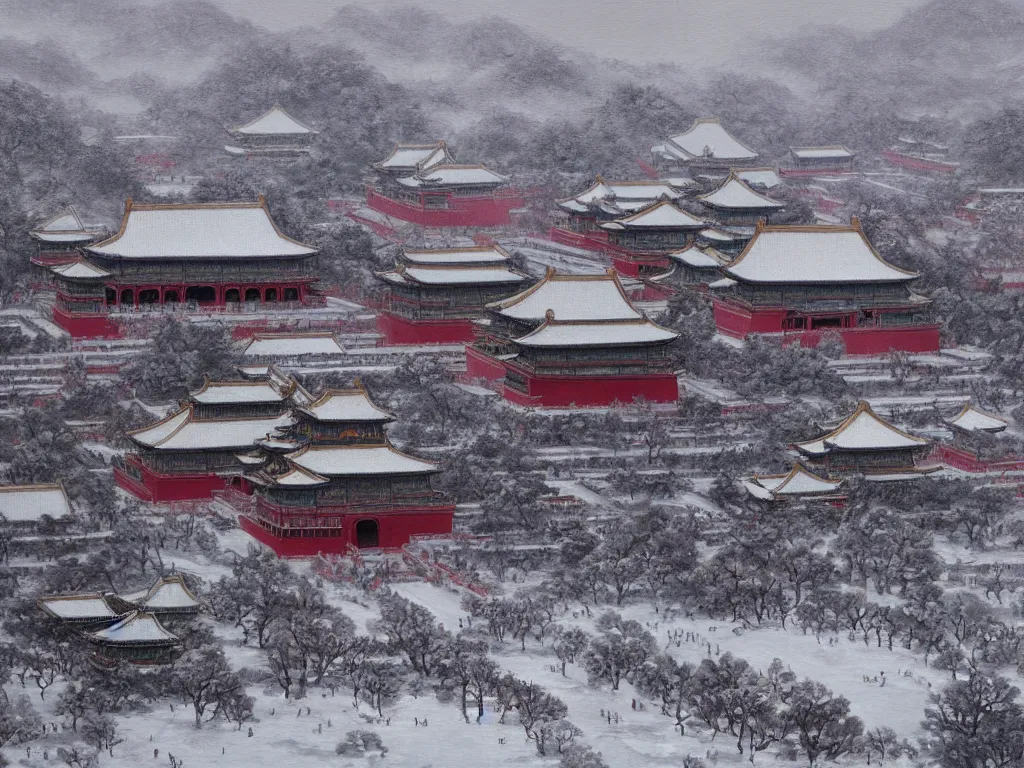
(275, 133)
(800, 282)
(574, 340)
(434, 295)
(422, 184)
(332, 479)
(203, 255)
(202, 447)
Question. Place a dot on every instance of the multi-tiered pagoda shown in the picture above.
(735, 204)
(433, 296)
(309, 474)
(275, 133)
(202, 446)
(705, 146)
(331, 480)
(193, 256)
(422, 184)
(574, 340)
(866, 444)
(635, 223)
(60, 240)
(802, 281)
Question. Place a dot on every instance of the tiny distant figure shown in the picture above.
(460, 623)
(273, 710)
(424, 722)
(309, 711)
(298, 712)
(417, 720)
(320, 728)
(156, 753)
(388, 722)
(634, 705)
(250, 732)
(222, 750)
(609, 717)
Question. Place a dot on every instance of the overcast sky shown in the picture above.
(648, 30)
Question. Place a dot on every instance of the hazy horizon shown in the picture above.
(646, 31)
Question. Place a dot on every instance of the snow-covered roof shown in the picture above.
(421, 156)
(813, 254)
(718, 235)
(275, 121)
(65, 227)
(346, 405)
(182, 431)
(293, 345)
(700, 258)
(596, 334)
(735, 194)
(766, 177)
(79, 270)
(169, 593)
(358, 460)
(199, 231)
(722, 284)
(294, 477)
(135, 628)
(444, 275)
(572, 298)
(971, 419)
(640, 191)
(480, 254)
(707, 138)
(863, 430)
(454, 175)
(817, 153)
(663, 215)
(227, 392)
(797, 482)
(29, 503)
(78, 607)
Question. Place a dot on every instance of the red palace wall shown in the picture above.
(160, 488)
(401, 331)
(966, 461)
(919, 163)
(394, 530)
(594, 391)
(739, 322)
(482, 366)
(482, 211)
(588, 241)
(87, 326)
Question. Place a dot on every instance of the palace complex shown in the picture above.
(202, 257)
(865, 444)
(423, 184)
(735, 204)
(802, 281)
(574, 340)
(705, 146)
(275, 133)
(433, 296)
(127, 628)
(307, 474)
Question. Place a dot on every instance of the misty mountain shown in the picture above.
(472, 68)
(946, 57)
